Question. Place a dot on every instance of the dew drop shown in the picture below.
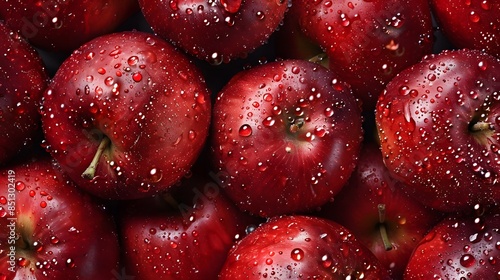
(133, 60)
(20, 186)
(245, 130)
(474, 17)
(297, 254)
(137, 77)
(467, 260)
(268, 122)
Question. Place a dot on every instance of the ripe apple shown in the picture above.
(126, 115)
(57, 25)
(22, 81)
(50, 228)
(286, 135)
(470, 24)
(301, 247)
(458, 248)
(387, 221)
(185, 234)
(437, 123)
(215, 31)
(368, 42)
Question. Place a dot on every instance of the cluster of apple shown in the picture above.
(250, 139)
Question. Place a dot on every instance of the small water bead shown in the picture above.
(20, 185)
(485, 5)
(268, 122)
(297, 254)
(133, 60)
(115, 52)
(467, 260)
(474, 17)
(245, 130)
(101, 71)
(137, 77)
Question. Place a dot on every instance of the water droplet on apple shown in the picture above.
(231, 6)
(137, 77)
(155, 175)
(245, 130)
(20, 185)
(260, 15)
(474, 17)
(467, 260)
(268, 122)
(297, 254)
(133, 60)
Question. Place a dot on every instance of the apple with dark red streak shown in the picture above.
(215, 31)
(438, 126)
(126, 115)
(57, 25)
(374, 207)
(51, 229)
(286, 135)
(301, 247)
(185, 234)
(22, 81)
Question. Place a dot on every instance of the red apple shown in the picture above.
(215, 31)
(286, 135)
(458, 248)
(470, 24)
(301, 247)
(126, 115)
(385, 220)
(438, 126)
(50, 228)
(22, 81)
(64, 25)
(368, 42)
(186, 234)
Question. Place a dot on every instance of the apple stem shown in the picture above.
(382, 227)
(89, 173)
(171, 200)
(481, 126)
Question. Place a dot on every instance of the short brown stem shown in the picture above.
(170, 200)
(89, 173)
(481, 126)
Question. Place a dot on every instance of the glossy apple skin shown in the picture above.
(293, 247)
(141, 93)
(215, 31)
(470, 24)
(368, 42)
(57, 25)
(190, 240)
(62, 232)
(286, 135)
(425, 119)
(458, 248)
(406, 220)
(22, 81)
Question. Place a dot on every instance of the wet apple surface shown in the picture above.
(249, 139)
(296, 130)
(130, 107)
